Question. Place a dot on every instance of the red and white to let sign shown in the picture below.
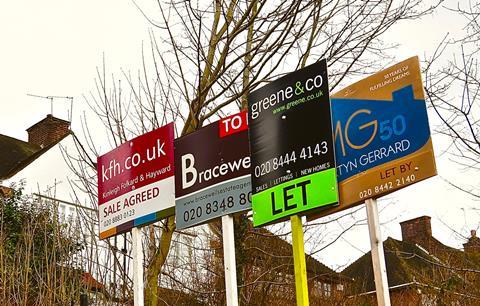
(136, 182)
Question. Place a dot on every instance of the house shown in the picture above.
(420, 270)
(38, 166)
(37, 161)
(473, 243)
(269, 274)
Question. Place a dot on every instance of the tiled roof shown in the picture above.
(263, 244)
(13, 153)
(16, 154)
(266, 248)
(410, 263)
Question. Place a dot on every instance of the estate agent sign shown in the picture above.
(382, 136)
(135, 182)
(293, 164)
(212, 177)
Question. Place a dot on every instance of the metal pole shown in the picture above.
(229, 260)
(300, 267)
(137, 251)
(124, 274)
(115, 267)
(378, 256)
(83, 299)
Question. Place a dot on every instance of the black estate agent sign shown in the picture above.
(293, 163)
(212, 176)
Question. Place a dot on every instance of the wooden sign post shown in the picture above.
(213, 181)
(137, 250)
(300, 266)
(136, 188)
(378, 256)
(383, 144)
(229, 260)
(293, 162)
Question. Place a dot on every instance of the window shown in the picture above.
(327, 289)
(71, 213)
(322, 289)
(61, 214)
(317, 288)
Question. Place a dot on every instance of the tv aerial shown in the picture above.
(51, 98)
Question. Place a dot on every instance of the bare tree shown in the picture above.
(205, 57)
(453, 89)
(38, 254)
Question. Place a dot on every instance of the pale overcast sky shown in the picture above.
(52, 48)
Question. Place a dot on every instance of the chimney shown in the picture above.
(417, 231)
(5, 192)
(48, 131)
(473, 244)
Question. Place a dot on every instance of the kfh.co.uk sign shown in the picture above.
(136, 183)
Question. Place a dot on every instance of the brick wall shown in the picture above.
(48, 131)
(418, 230)
(5, 192)
(473, 244)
